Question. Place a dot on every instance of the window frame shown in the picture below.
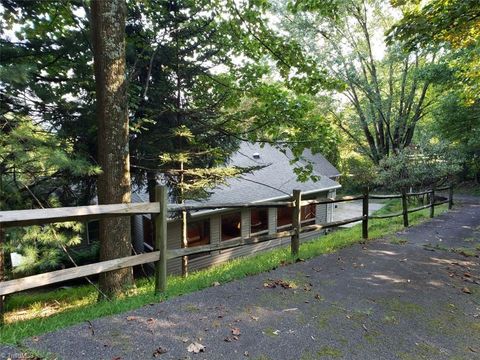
(231, 214)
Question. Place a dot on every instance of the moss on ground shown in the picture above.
(395, 307)
(329, 351)
(270, 332)
(422, 351)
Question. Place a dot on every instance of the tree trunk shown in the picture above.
(108, 29)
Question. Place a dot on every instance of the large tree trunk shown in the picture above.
(108, 27)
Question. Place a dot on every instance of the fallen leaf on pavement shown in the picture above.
(131, 318)
(216, 283)
(236, 331)
(466, 290)
(159, 351)
(195, 348)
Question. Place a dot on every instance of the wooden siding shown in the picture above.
(331, 207)
(245, 224)
(272, 220)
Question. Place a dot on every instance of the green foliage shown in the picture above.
(459, 123)
(211, 67)
(41, 246)
(382, 99)
(424, 167)
(358, 172)
(35, 170)
(455, 22)
(279, 116)
(452, 24)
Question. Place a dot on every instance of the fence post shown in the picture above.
(450, 197)
(432, 203)
(365, 215)
(405, 207)
(296, 223)
(184, 244)
(161, 196)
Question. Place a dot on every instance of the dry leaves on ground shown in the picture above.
(195, 347)
(271, 284)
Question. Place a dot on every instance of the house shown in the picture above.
(273, 182)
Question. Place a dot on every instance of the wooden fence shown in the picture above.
(160, 210)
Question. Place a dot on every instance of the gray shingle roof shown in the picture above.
(274, 181)
(320, 164)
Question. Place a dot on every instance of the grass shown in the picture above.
(30, 314)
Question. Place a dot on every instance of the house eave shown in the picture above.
(277, 198)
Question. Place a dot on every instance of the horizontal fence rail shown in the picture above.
(380, 197)
(330, 224)
(53, 277)
(75, 213)
(330, 200)
(160, 209)
(386, 216)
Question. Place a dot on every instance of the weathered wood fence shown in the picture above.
(160, 210)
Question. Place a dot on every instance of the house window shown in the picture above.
(198, 233)
(258, 220)
(231, 226)
(284, 218)
(308, 213)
